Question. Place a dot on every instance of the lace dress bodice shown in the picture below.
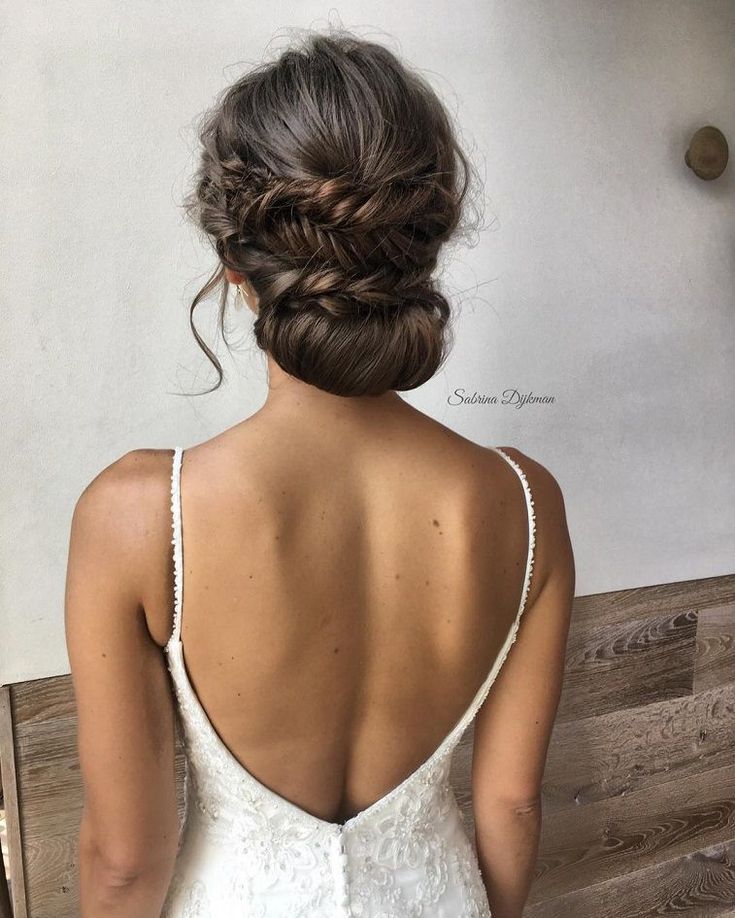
(246, 852)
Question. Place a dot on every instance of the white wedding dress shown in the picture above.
(246, 852)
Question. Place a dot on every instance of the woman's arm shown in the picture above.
(513, 728)
(125, 708)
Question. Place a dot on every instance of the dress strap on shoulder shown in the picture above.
(484, 689)
(531, 526)
(176, 540)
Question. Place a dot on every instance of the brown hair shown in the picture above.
(330, 178)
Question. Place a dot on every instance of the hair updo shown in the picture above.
(330, 178)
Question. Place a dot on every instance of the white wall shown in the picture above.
(605, 277)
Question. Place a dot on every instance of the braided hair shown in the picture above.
(331, 178)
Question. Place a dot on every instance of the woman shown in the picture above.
(347, 575)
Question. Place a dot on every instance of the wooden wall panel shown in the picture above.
(637, 748)
(691, 885)
(49, 792)
(611, 667)
(715, 648)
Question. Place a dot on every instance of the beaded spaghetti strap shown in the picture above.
(176, 541)
(484, 689)
(531, 524)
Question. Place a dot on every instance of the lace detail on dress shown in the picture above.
(246, 851)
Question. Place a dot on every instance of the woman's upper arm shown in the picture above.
(125, 712)
(513, 727)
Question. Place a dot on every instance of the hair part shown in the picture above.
(331, 178)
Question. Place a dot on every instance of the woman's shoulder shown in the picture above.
(543, 484)
(125, 508)
(127, 479)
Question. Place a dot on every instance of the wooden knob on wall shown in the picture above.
(707, 153)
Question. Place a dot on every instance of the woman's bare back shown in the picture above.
(346, 593)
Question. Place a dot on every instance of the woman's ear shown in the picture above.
(232, 277)
(246, 290)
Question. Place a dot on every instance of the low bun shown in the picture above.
(358, 352)
(331, 178)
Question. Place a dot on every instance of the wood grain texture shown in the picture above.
(50, 796)
(715, 647)
(693, 884)
(11, 783)
(628, 664)
(636, 748)
(639, 786)
(589, 843)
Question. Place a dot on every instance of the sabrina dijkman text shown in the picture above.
(509, 397)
